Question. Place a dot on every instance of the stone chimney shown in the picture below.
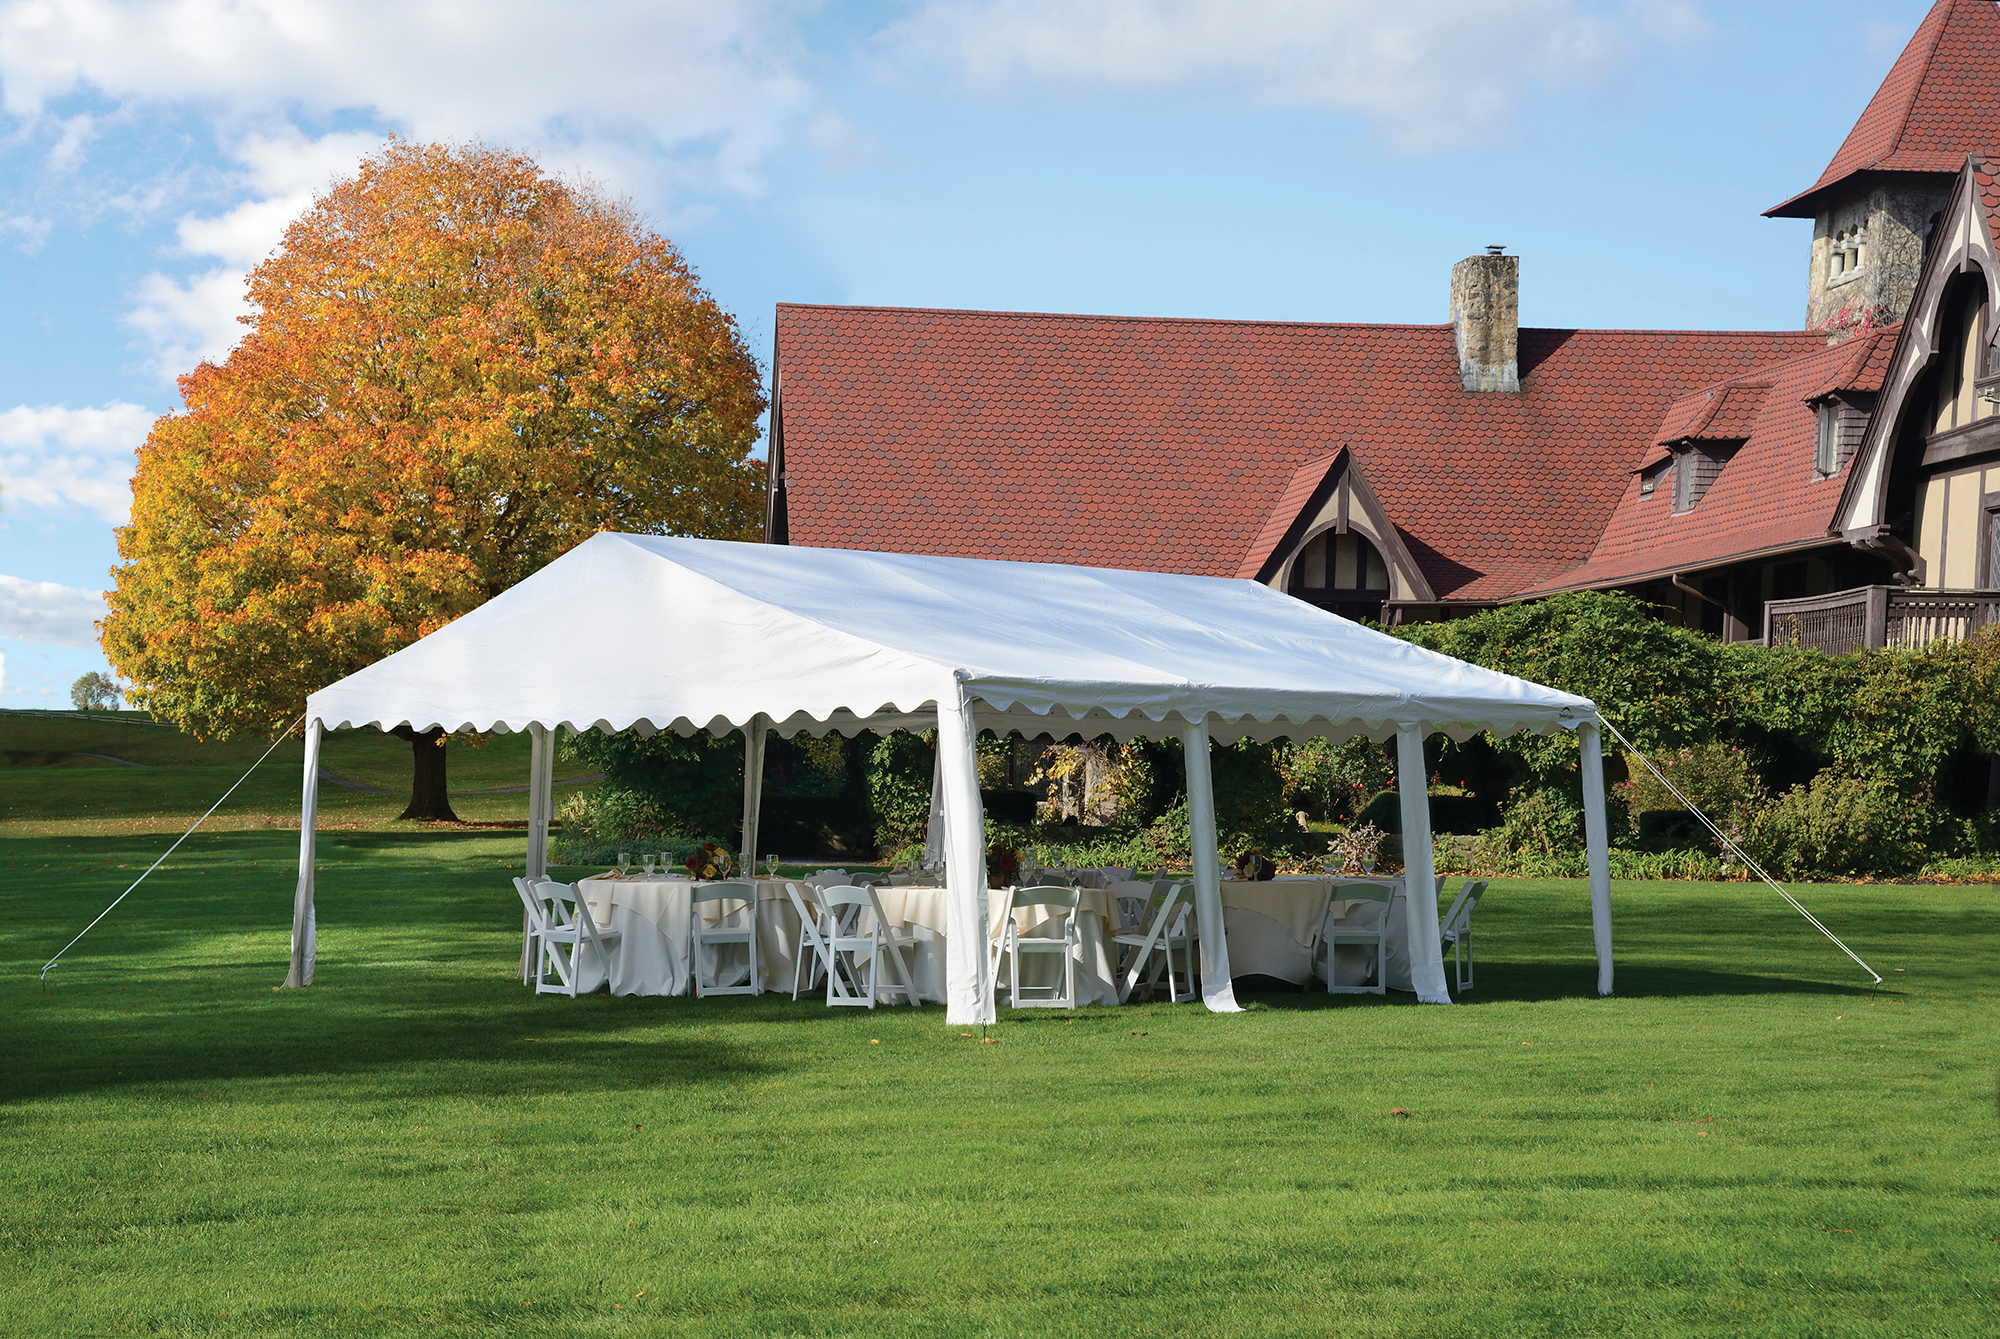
(1486, 320)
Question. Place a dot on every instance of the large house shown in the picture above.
(1838, 483)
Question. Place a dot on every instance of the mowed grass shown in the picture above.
(1747, 1139)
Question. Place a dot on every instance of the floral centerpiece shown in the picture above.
(1254, 864)
(710, 861)
(1003, 865)
(1359, 845)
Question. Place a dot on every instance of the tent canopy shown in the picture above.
(639, 631)
(687, 634)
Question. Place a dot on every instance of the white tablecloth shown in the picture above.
(655, 923)
(920, 911)
(1271, 931)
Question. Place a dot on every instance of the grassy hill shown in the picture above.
(66, 771)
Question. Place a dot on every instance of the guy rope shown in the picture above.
(1730, 845)
(163, 855)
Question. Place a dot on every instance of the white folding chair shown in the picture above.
(1013, 944)
(1166, 929)
(724, 934)
(1455, 930)
(812, 956)
(566, 925)
(534, 915)
(1367, 927)
(848, 982)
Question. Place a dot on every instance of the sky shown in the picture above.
(1316, 160)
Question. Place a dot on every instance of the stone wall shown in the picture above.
(1883, 229)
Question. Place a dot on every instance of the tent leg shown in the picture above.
(968, 993)
(304, 937)
(753, 786)
(1597, 843)
(934, 825)
(1420, 901)
(540, 770)
(1218, 991)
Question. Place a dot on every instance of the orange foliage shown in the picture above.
(458, 369)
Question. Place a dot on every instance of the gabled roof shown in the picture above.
(1169, 444)
(1966, 240)
(1722, 413)
(1767, 497)
(1301, 490)
(1936, 106)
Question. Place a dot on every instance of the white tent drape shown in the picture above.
(817, 640)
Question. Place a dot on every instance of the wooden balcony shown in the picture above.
(1878, 617)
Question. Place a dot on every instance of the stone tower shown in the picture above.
(1873, 207)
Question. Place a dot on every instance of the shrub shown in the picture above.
(1537, 828)
(899, 769)
(1717, 778)
(1838, 825)
(1331, 781)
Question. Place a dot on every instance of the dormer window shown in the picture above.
(1697, 465)
(1847, 255)
(1650, 477)
(1826, 446)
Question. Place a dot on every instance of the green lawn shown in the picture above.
(1743, 1141)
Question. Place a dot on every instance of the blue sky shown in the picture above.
(1279, 159)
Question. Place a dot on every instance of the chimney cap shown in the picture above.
(1495, 248)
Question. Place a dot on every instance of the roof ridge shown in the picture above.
(1248, 320)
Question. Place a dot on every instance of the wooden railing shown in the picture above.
(1877, 617)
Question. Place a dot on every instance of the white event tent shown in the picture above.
(653, 633)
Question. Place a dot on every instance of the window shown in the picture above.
(1826, 452)
(1993, 549)
(1649, 478)
(1343, 573)
(1959, 361)
(1697, 465)
(1847, 255)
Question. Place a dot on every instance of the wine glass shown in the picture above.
(649, 859)
(624, 863)
(1368, 864)
(771, 865)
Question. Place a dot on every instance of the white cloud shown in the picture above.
(48, 613)
(1427, 74)
(56, 458)
(664, 97)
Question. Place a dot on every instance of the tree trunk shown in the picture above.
(429, 798)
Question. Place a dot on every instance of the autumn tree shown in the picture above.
(456, 369)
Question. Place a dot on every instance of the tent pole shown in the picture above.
(540, 771)
(968, 993)
(934, 826)
(1218, 990)
(304, 939)
(1597, 842)
(537, 865)
(1420, 900)
(753, 786)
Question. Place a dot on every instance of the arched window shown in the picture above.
(1961, 336)
(1341, 573)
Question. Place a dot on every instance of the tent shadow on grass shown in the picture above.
(468, 1041)
(1538, 983)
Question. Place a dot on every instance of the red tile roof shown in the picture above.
(1936, 106)
(1290, 503)
(1173, 444)
(1767, 496)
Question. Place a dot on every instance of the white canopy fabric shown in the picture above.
(660, 633)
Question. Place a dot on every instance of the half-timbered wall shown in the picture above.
(1955, 519)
